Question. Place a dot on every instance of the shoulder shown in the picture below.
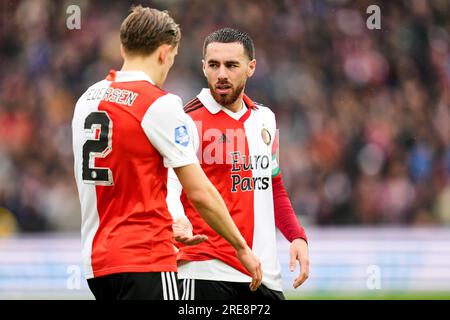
(168, 102)
(98, 85)
(196, 110)
(193, 105)
(266, 113)
(87, 100)
(171, 99)
(165, 109)
(263, 108)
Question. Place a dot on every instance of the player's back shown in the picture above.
(121, 179)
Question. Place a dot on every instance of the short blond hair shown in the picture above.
(145, 29)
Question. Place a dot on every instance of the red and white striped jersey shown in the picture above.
(237, 155)
(126, 133)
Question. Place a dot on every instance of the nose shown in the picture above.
(222, 76)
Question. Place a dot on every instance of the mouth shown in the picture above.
(223, 88)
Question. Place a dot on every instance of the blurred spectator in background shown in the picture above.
(364, 114)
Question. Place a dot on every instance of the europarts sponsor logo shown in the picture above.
(241, 164)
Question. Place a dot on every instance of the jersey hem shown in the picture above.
(181, 163)
(108, 271)
(238, 277)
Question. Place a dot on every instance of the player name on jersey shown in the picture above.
(120, 96)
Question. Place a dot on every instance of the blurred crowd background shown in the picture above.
(364, 115)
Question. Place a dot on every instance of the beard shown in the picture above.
(229, 98)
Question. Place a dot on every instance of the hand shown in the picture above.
(299, 251)
(253, 265)
(182, 232)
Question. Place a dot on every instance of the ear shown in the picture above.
(204, 67)
(122, 51)
(251, 68)
(163, 52)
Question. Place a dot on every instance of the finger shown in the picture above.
(252, 285)
(181, 239)
(304, 273)
(195, 240)
(300, 279)
(254, 282)
(260, 275)
(257, 279)
(292, 260)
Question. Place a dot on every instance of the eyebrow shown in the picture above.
(225, 62)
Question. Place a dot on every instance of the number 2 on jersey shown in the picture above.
(98, 126)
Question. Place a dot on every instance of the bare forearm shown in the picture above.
(208, 202)
(214, 211)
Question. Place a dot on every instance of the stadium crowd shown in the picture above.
(364, 115)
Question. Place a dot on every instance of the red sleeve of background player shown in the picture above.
(285, 218)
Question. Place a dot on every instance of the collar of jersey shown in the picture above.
(127, 76)
(208, 101)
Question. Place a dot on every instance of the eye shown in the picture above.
(213, 65)
(232, 66)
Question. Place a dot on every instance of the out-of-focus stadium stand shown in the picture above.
(363, 114)
(364, 118)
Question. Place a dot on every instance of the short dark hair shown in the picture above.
(145, 29)
(229, 35)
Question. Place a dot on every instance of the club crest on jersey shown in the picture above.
(265, 134)
(182, 135)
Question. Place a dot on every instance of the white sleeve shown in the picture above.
(171, 131)
(174, 189)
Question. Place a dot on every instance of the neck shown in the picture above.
(147, 65)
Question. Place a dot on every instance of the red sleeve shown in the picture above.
(285, 219)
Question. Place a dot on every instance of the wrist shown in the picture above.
(241, 247)
(300, 239)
